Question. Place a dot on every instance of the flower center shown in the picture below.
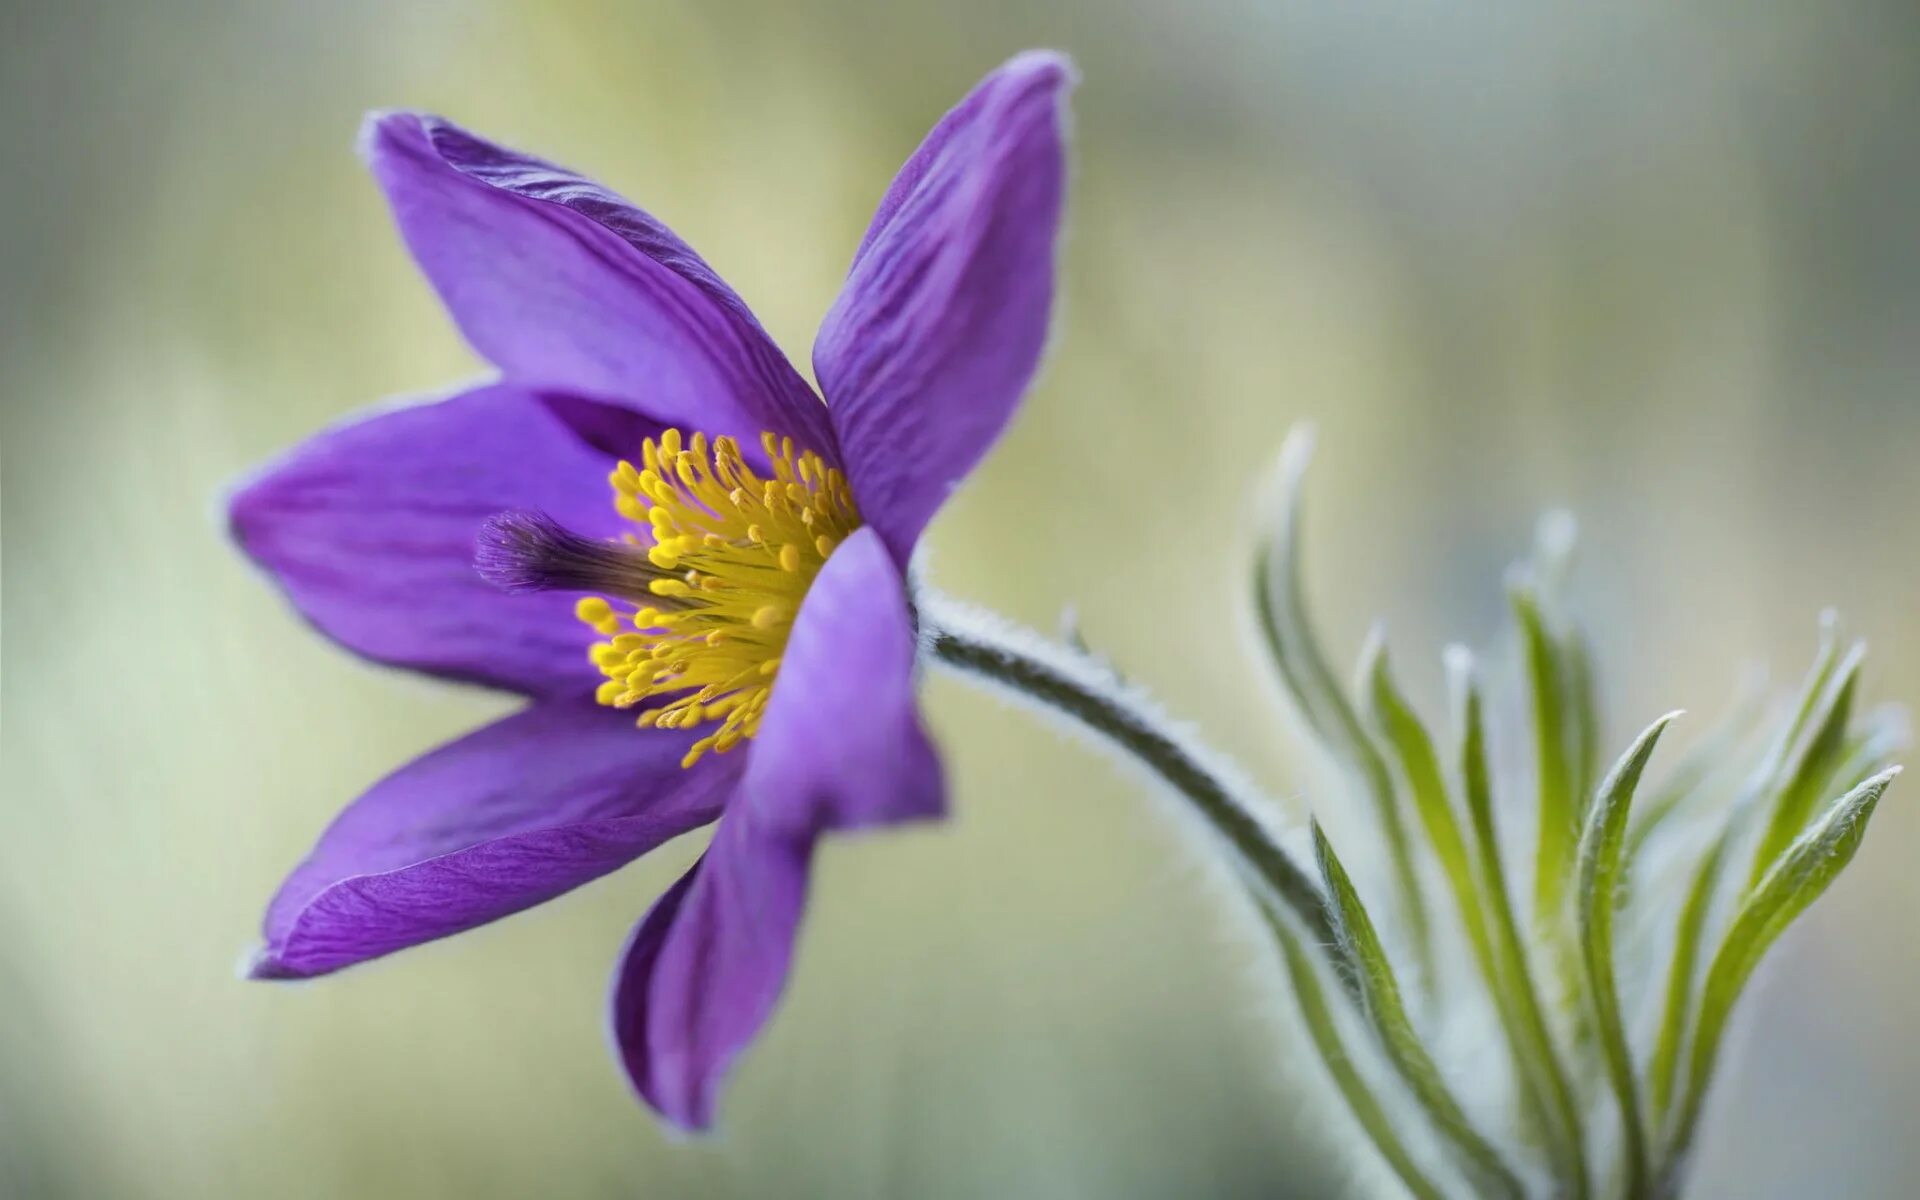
(733, 555)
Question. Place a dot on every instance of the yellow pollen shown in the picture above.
(597, 613)
(746, 549)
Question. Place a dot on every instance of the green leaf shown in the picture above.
(1870, 748)
(1802, 873)
(1687, 781)
(1560, 807)
(1388, 1013)
(1401, 730)
(1809, 765)
(1583, 706)
(1280, 606)
(1686, 952)
(1546, 1077)
(1559, 659)
(1601, 852)
(1775, 767)
(1558, 815)
(1768, 779)
(1324, 1029)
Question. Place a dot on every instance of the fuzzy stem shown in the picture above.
(1069, 681)
(1081, 688)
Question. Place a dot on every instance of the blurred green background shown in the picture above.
(1655, 263)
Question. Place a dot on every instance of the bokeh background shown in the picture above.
(1655, 263)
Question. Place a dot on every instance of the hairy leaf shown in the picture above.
(1870, 747)
(1412, 749)
(1546, 1077)
(1324, 1029)
(1810, 764)
(1601, 847)
(1684, 784)
(1803, 872)
(1676, 1008)
(1280, 606)
(1387, 1010)
(1583, 707)
(1557, 804)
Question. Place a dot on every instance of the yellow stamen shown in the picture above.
(746, 550)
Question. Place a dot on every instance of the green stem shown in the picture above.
(1097, 700)
(1079, 687)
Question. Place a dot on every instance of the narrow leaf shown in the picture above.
(1869, 749)
(1558, 817)
(1601, 847)
(1583, 708)
(1775, 766)
(1280, 606)
(1561, 808)
(1412, 748)
(1324, 1029)
(1809, 865)
(1683, 969)
(1388, 1013)
(1810, 764)
(1686, 782)
(1546, 1076)
(1680, 972)
(1553, 543)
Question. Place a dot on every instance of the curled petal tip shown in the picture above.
(1053, 66)
(379, 123)
(260, 963)
(688, 1126)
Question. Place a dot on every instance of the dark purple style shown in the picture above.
(606, 329)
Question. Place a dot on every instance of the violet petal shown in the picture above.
(704, 968)
(943, 316)
(841, 747)
(504, 818)
(369, 528)
(559, 281)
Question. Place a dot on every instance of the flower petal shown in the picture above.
(511, 815)
(369, 527)
(558, 281)
(841, 747)
(943, 316)
(703, 970)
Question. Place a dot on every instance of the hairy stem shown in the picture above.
(1072, 683)
(1079, 687)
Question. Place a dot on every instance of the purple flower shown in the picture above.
(740, 591)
